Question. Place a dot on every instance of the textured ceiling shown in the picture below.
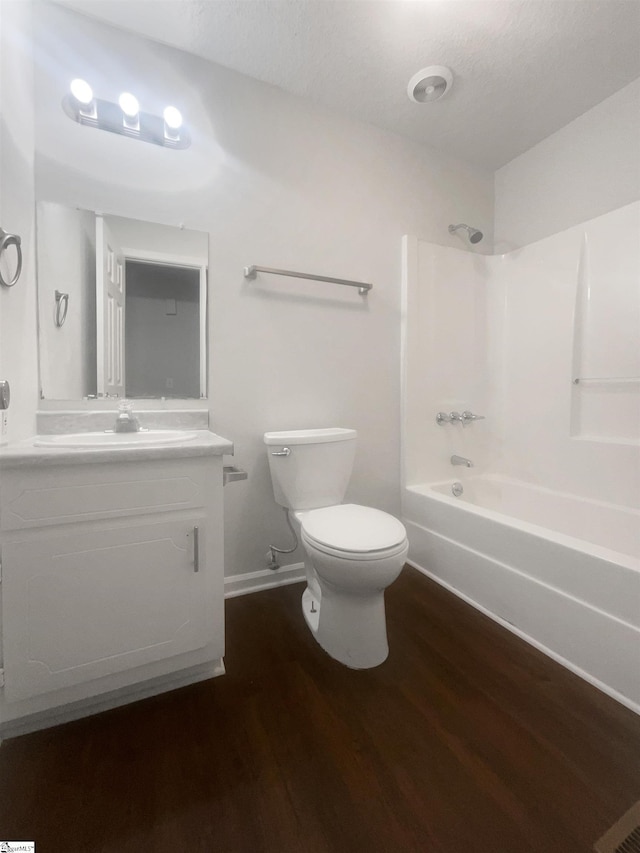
(522, 68)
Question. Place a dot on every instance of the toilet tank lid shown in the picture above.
(310, 436)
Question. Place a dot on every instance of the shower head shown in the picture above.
(474, 235)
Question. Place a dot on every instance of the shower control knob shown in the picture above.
(467, 417)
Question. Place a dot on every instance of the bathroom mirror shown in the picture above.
(121, 306)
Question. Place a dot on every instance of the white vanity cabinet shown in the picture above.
(112, 580)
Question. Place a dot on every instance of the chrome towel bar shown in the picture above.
(363, 287)
(606, 380)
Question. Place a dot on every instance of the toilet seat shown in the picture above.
(355, 556)
(353, 532)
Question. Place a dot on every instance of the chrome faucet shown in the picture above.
(455, 417)
(468, 416)
(444, 418)
(460, 460)
(126, 421)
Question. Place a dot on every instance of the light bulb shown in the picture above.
(172, 117)
(129, 104)
(81, 91)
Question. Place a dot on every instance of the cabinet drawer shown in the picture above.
(79, 606)
(57, 495)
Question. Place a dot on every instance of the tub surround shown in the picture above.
(113, 575)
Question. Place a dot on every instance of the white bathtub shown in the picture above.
(561, 571)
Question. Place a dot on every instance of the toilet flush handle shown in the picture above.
(284, 452)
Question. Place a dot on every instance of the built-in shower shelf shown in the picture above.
(606, 380)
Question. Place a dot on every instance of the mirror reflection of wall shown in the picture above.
(66, 259)
(162, 331)
(136, 322)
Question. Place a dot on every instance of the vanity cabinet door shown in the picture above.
(81, 604)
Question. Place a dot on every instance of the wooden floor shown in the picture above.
(466, 740)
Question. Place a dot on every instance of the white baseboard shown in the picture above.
(264, 579)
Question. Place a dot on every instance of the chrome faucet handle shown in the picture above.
(456, 417)
(126, 421)
(467, 417)
(442, 418)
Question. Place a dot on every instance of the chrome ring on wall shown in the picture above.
(6, 240)
(62, 306)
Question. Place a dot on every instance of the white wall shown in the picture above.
(18, 324)
(133, 235)
(587, 168)
(278, 182)
(66, 251)
(162, 342)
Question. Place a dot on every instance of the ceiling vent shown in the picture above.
(430, 84)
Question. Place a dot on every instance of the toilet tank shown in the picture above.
(316, 471)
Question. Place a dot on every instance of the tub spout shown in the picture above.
(460, 460)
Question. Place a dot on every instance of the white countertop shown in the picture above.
(25, 453)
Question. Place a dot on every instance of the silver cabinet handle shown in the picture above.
(196, 550)
(284, 452)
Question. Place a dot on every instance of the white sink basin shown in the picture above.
(144, 438)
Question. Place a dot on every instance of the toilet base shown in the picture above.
(311, 610)
(351, 629)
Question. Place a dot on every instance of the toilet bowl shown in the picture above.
(355, 552)
(352, 552)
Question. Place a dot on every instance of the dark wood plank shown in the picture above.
(466, 740)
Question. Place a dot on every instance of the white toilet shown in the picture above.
(353, 552)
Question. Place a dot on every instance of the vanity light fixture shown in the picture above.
(82, 95)
(125, 117)
(172, 122)
(130, 110)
